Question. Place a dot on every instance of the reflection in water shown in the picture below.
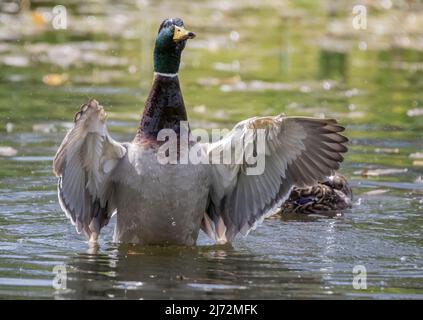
(176, 272)
(333, 65)
(329, 251)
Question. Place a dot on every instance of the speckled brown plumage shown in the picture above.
(334, 194)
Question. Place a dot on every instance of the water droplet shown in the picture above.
(234, 36)
(132, 69)
(362, 46)
(386, 4)
(327, 85)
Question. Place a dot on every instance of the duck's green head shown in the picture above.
(170, 42)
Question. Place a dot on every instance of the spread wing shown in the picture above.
(269, 156)
(83, 164)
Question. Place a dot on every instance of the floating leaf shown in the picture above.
(209, 82)
(415, 112)
(376, 192)
(16, 61)
(10, 127)
(200, 109)
(416, 155)
(234, 66)
(379, 172)
(8, 152)
(387, 150)
(44, 127)
(55, 79)
(38, 19)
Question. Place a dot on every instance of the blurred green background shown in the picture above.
(249, 58)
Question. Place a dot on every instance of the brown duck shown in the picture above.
(332, 194)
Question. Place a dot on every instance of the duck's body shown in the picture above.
(152, 202)
(163, 196)
(154, 206)
(332, 194)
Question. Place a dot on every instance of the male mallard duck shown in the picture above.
(168, 203)
(332, 194)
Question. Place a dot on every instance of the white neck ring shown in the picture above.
(169, 75)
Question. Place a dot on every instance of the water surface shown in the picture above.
(248, 59)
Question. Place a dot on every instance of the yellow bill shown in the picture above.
(181, 34)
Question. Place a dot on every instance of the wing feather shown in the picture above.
(83, 164)
(299, 151)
